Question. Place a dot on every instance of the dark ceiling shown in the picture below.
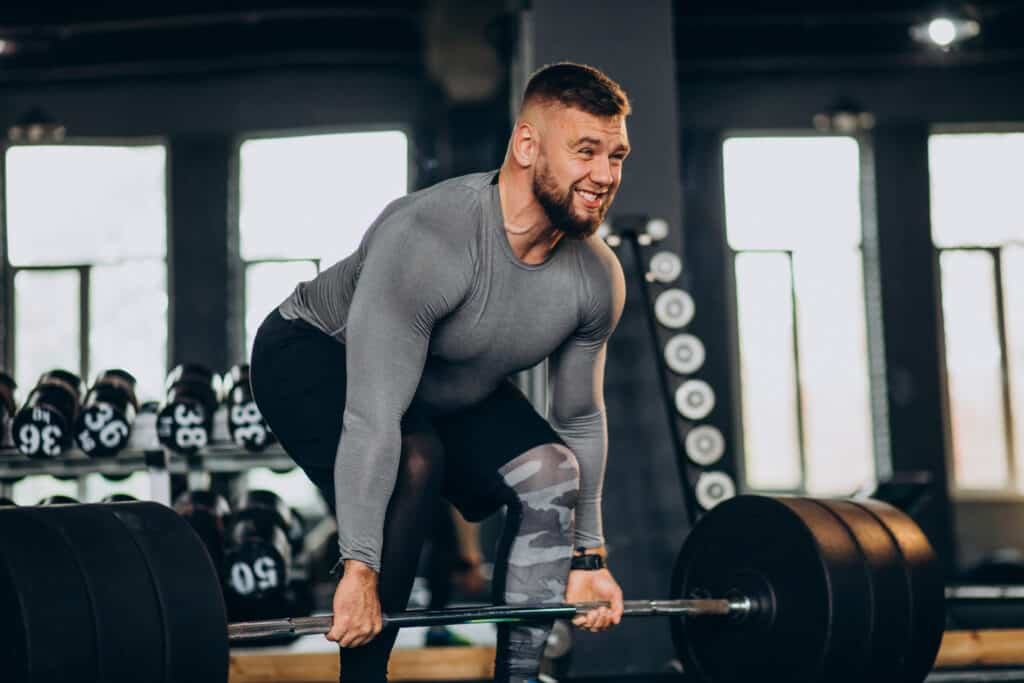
(51, 41)
(54, 41)
(715, 37)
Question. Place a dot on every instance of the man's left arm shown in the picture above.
(578, 415)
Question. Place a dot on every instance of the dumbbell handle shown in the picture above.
(320, 624)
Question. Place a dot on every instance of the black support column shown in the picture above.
(644, 517)
(198, 273)
(910, 306)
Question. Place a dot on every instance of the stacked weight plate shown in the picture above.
(113, 611)
(844, 591)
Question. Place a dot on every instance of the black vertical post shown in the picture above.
(644, 517)
(198, 266)
(711, 278)
(911, 305)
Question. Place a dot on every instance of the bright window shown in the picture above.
(306, 201)
(793, 223)
(977, 227)
(87, 233)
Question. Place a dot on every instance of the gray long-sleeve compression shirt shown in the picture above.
(435, 308)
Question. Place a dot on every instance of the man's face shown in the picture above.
(579, 168)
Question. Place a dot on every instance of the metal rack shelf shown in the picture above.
(218, 458)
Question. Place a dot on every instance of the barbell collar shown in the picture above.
(321, 624)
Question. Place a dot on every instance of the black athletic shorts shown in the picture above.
(298, 380)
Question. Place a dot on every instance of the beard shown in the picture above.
(558, 206)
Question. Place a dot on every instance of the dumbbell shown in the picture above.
(119, 498)
(43, 427)
(258, 553)
(207, 513)
(104, 425)
(247, 426)
(271, 507)
(58, 500)
(8, 408)
(186, 417)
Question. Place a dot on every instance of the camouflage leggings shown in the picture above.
(536, 549)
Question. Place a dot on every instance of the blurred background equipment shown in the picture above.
(104, 425)
(186, 417)
(8, 408)
(245, 423)
(43, 427)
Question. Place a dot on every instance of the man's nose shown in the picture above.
(601, 171)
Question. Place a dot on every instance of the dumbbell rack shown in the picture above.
(145, 454)
(158, 462)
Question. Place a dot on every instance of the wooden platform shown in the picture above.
(411, 664)
(981, 648)
(959, 649)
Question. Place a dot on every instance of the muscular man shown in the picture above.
(386, 378)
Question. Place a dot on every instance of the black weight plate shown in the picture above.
(889, 596)
(120, 588)
(47, 632)
(119, 498)
(927, 587)
(192, 606)
(57, 500)
(806, 578)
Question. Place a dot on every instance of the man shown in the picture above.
(386, 378)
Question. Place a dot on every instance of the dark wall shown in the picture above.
(928, 94)
(225, 103)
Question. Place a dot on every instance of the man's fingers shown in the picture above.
(615, 613)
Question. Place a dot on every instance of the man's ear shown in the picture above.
(525, 144)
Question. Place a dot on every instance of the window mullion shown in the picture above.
(797, 379)
(84, 281)
(997, 274)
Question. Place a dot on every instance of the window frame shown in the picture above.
(733, 303)
(8, 315)
(240, 266)
(1013, 490)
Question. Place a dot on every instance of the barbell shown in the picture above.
(792, 589)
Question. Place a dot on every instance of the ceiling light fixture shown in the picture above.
(945, 31)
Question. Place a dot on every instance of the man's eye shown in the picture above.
(587, 151)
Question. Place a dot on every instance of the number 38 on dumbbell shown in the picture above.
(245, 422)
(184, 422)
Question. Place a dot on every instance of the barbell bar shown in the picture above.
(492, 614)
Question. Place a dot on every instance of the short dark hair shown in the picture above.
(577, 85)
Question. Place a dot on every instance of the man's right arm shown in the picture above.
(411, 277)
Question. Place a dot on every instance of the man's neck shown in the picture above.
(527, 227)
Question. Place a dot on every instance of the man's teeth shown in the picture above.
(590, 196)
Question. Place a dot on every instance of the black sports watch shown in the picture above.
(588, 562)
